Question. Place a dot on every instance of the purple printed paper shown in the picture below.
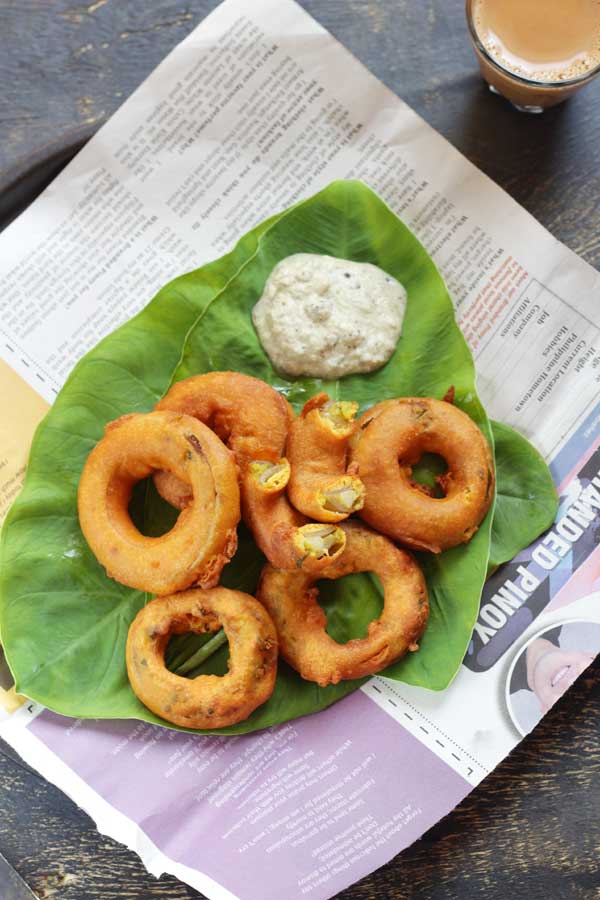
(316, 803)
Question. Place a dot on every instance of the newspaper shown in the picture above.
(257, 108)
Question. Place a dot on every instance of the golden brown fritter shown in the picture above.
(207, 701)
(253, 419)
(390, 439)
(291, 600)
(204, 537)
(317, 449)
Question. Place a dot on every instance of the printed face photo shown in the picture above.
(546, 667)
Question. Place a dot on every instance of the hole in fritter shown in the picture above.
(350, 603)
(151, 515)
(425, 472)
(185, 654)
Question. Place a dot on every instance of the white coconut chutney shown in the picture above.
(326, 317)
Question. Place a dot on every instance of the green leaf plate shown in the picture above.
(64, 624)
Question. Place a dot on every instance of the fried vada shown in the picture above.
(253, 419)
(203, 538)
(317, 449)
(284, 535)
(249, 415)
(292, 602)
(207, 701)
(390, 439)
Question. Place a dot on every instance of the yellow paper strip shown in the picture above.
(21, 409)
(10, 700)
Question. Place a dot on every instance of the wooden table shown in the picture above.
(532, 830)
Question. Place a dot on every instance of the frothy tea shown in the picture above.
(541, 40)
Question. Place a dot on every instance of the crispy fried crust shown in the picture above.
(284, 535)
(207, 701)
(204, 537)
(291, 600)
(250, 416)
(317, 449)
(253, 419)
(390, 439)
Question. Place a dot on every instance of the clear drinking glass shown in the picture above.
(525, 94)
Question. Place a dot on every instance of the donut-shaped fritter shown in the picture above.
(317, 450)
(249, 415)
(390, 439)
(203, 538)
(253, 420)
(207, 701)
(291, 600)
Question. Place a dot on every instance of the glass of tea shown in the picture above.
(536, 53)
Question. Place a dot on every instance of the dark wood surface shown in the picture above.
(532, 829)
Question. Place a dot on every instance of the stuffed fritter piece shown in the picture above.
(317, 449)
